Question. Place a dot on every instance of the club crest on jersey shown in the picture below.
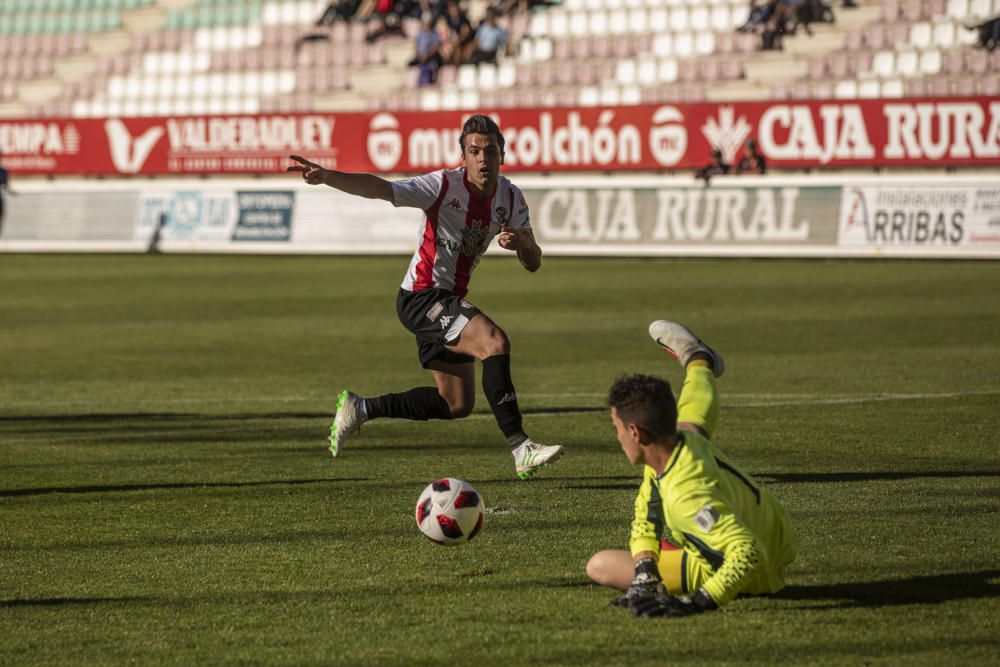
(706, 518)
(454, 204)
(502, 215)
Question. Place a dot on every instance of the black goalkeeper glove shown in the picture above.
(671, 606)
(645, 585)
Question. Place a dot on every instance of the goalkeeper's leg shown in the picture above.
(698, 402)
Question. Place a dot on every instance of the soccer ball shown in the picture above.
(450, 512)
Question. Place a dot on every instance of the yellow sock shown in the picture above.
(698, 402)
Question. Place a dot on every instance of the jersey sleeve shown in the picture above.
(647, 523)
(519, 217)
(419, 191)
(720, 536)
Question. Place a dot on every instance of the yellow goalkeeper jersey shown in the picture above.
(708, 506)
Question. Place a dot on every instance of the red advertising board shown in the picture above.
(793, 134)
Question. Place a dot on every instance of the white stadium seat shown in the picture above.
(704, 43)
(884, 64)
(892, 88)
(699, 18)
(944, 34)
(720, 20)
(668, 70)
(625, 71)
(466, 77)
(617, 22)
(638, 20)
(907, 63)
(679, 19)
(684, 45)
(663, 44)
(869, 89)
(659, 20)
(589, 97)
(846, 90)
(920, 35)
(645, 73)
(930, 62)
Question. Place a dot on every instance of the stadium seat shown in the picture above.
(920, 35)
(892, 88)
(907, 63)
(680, 20)
(869, 89)
(668, 70)
(884, 64)
(930, 62)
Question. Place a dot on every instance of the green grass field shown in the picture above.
(166, 496)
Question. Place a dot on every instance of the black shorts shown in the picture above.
(435, 316)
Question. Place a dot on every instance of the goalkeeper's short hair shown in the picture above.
(647, 402)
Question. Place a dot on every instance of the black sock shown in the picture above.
(499, 390)
(420, 403)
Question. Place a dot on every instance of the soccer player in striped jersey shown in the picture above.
(465, 209)
(704, 531)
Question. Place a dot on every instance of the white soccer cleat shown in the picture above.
(530, 456)
(678, 341)
(348, 420)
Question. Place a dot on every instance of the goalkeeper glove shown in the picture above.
(645, 584)
(672, 607)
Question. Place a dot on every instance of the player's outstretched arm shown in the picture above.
(523, 243)
(362, 185)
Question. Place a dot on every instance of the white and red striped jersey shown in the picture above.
(458, 227)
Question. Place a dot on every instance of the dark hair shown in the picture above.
(647, 402)
(480, 124)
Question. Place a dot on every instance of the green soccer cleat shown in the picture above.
(530, 456)
(348, 420)
(680, 343)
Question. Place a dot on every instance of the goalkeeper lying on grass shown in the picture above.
(704, 531)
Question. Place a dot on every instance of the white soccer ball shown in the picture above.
(450, 512)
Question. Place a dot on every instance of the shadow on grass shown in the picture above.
(933, 589)
(116, 488)
(68, 602)
(827, 477)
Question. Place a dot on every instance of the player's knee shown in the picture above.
(496, 342)
(461, 409)
(596, 569)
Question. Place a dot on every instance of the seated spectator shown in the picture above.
(427, 51)
(387, 21)
(988, 33)
(753, 162)
(343, 10)
(760, 12)
(490, 39)
(462, 34)
(714, 168)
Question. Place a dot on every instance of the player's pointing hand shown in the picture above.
(312, 173)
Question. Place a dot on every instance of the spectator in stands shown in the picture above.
(760, 12)
(714, 168)
(989, 32)
(753, 162)
(462, 34)
(4, 187)
(389, 17)
(490, 39)
(427, 51)
(343, 10)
